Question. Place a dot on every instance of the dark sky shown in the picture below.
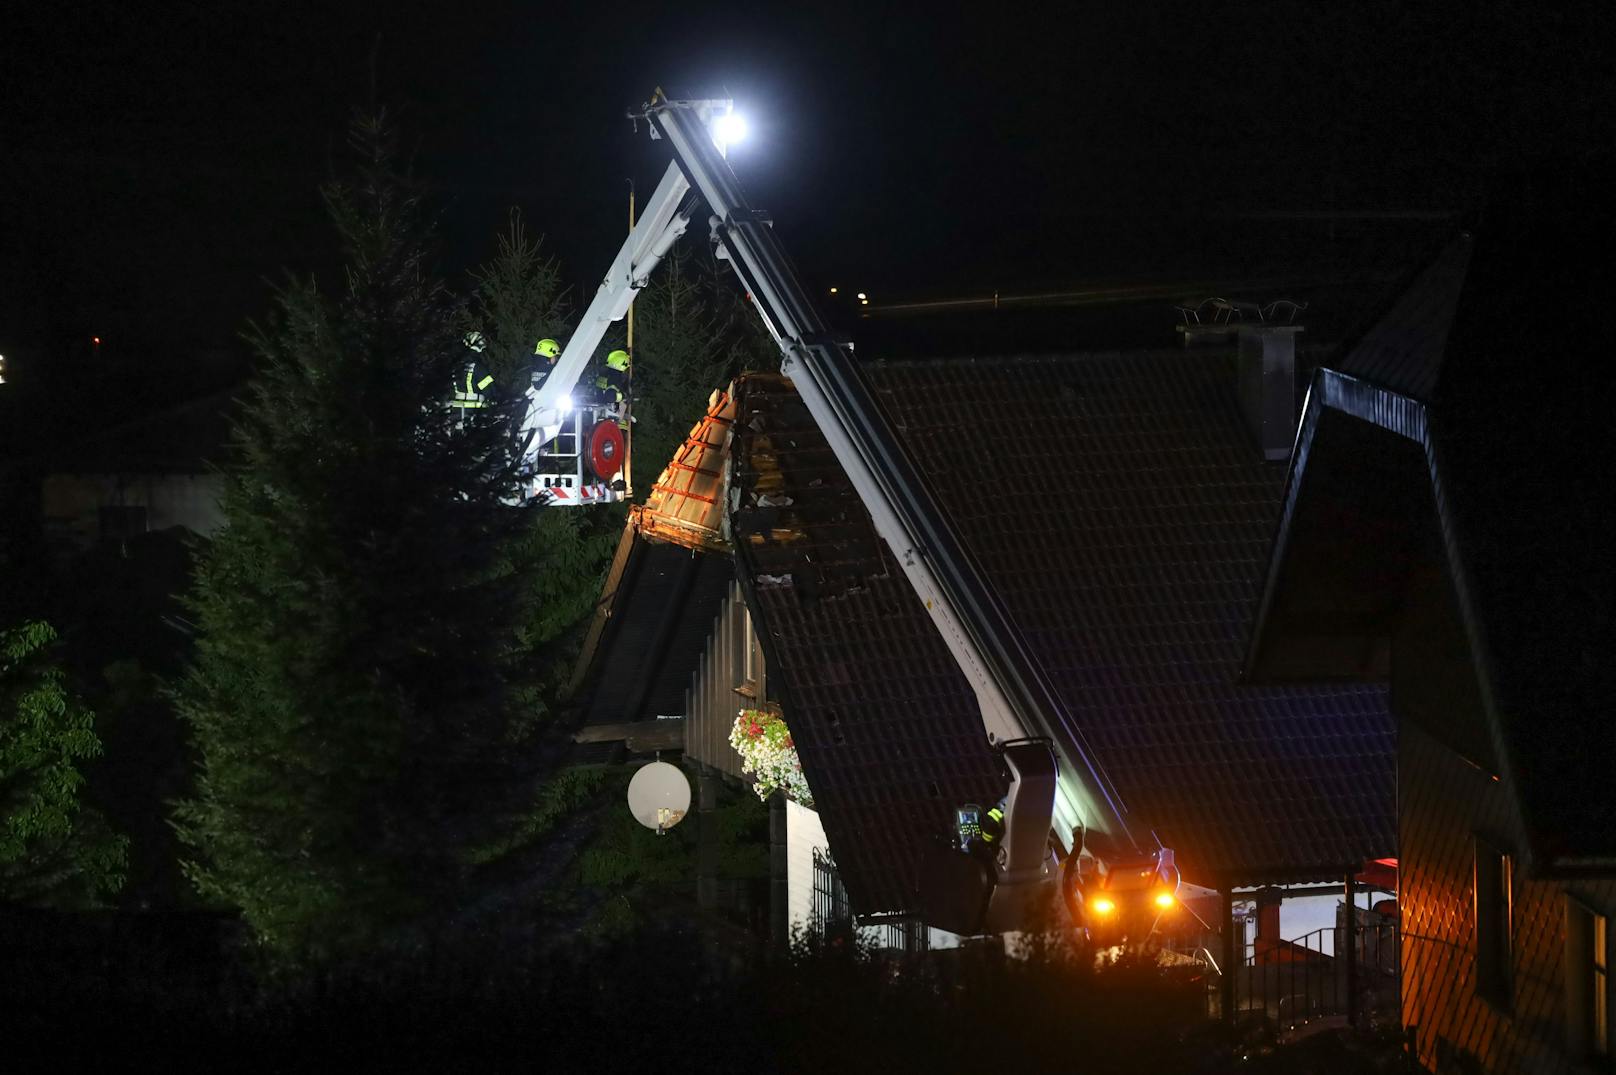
(158, 167)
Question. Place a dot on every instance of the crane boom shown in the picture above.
(1020, 708)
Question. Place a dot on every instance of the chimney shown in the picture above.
(1266, 385)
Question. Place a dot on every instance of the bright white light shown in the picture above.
(729, 129)
(862, 296)
(564, 405)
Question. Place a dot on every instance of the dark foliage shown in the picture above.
(667, 999)
(362, 679)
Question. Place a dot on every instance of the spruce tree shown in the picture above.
(361, 680)
(54, 850)
(692, 334)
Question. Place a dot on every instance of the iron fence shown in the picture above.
(1290, 982)
(831, 911)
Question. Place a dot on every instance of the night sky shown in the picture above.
(158, 169)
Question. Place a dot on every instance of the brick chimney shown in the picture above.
(1266, 385)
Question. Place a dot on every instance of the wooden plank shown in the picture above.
(603, 609)
(640, 735)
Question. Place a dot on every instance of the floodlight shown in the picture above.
(1164, 900)
(564, 404)
(729, 129)
(1102, 906)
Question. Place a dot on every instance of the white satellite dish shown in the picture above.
(659, 796)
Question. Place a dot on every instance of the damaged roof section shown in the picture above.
(802, 522)
(1118, 507)
(885, 724)
(686, 505)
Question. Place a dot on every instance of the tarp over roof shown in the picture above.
(686, 505)
(1119, 508)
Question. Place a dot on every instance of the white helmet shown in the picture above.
(475, 341)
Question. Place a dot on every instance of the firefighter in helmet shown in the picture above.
(545, 353)
(612, 384)
(474, 380)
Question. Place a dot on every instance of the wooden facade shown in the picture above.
(730, 677)
(1539, 1021)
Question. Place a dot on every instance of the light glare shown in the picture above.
(1164, 900)
(729, 129)
(564, 405)
(1103, 906)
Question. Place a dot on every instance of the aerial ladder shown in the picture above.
(1054, 784)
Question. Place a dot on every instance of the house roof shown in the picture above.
(657, 619)
(1499, 451)
(1117, 505)
(186, 438)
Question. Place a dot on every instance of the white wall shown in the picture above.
(803, 835)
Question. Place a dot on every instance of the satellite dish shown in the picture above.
(659, 796)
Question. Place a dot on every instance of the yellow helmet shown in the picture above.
(617, 360)
(548, 348)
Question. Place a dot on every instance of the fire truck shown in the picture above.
(1117, 880)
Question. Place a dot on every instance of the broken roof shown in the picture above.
(1116, 504)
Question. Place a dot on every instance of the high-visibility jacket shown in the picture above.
(471, 385)
(611, 384)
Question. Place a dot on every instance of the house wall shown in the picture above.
(1443, 804)
(804, 836)
(71, 503)
(730, 677)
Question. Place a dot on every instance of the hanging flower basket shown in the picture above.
(763, 741)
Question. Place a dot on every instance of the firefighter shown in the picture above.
(545, 353)
(474, 380)
(993, 826)
(982, 832)
(612, 383)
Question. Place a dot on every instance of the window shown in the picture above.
(1588, 981)
(120, 522)
(1494, 890)
(749, 662)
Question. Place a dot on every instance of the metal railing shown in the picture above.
(1290, 982)
(830, 911)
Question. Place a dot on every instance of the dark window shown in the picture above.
(1494, 892)
(119, 521)
(830, 909)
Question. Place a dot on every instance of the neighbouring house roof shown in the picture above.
(1119, 507)
(188, 438)
(1484, 451)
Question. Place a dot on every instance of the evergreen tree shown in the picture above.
(516, 300)
(54, 850)
(692, 335)
(361, 680)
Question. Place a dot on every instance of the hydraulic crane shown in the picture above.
(1055, 785)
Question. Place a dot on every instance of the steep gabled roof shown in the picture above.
(1116, 504)
(1490, 468)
